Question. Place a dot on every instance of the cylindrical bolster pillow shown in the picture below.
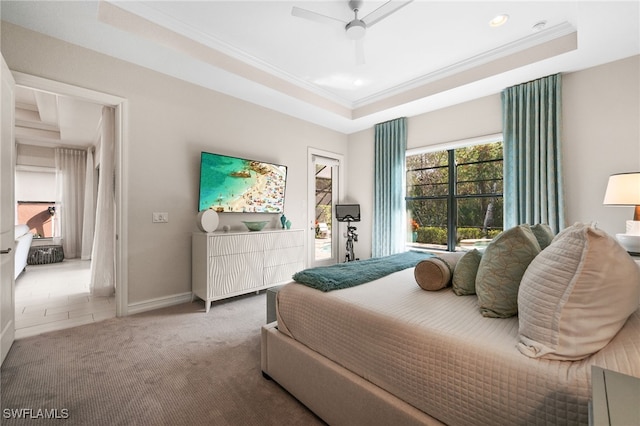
(435, 273)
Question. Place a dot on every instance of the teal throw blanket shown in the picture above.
(351, 274)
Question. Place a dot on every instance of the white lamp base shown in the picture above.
(633, 227)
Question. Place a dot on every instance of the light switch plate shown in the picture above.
(160, 217)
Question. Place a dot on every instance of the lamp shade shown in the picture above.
(623, 189)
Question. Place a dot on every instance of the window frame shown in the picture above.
(452, 197)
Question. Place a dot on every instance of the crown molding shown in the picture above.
(358, 108)
(141, 9)
(517, 46)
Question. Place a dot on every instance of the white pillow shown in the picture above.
(576, 295)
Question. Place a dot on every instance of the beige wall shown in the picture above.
(169, 123)
(601, 136)
(38, 156)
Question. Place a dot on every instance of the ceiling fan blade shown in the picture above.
(360, 51)
(317, 17)
(385, 10)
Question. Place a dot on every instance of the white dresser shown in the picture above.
(229, 264)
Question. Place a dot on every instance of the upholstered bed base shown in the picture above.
(333, 393)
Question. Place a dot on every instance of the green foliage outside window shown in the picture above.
(438, 236)
(472, 184)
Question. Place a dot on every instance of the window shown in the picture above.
(454, 197)
(39, 216)
(35, 192)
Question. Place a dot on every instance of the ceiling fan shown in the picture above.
(357, 27)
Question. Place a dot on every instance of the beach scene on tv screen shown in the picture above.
(229, 184)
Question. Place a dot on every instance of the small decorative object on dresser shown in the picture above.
(208, 220)
(256, 225)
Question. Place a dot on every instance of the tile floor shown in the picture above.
(56, 296)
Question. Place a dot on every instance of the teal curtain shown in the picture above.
(389, 177)
(532, 123)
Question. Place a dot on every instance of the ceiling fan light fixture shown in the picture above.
(499, 20)
(356, 29)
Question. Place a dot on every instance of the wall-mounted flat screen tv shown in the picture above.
(237, 185)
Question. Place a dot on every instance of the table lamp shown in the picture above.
(623, 189)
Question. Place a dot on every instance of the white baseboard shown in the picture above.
(160, 302)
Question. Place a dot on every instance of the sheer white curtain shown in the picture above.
(89, 209)
(103, 268)
(70, 182)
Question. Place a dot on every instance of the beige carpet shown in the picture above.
(173, 366)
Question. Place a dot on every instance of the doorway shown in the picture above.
(76, 269)
(325, 177)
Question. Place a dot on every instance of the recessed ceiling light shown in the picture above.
(539, 26)
(499, 20)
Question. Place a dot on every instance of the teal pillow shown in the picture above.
(464, 275)
(543, 234)
(501, 269)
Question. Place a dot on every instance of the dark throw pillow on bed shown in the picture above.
(501, 269)
(464, 275)
(543, 234)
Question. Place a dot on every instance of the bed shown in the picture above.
(388, 352)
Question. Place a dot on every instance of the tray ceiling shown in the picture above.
(425, 56)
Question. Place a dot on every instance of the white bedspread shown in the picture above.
(436, 351)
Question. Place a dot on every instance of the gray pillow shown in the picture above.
(543, 234)
(502, 266)
(464, 275)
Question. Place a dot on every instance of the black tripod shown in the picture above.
(352, 237)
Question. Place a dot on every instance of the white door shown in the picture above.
(7, 211)
(324, 184)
